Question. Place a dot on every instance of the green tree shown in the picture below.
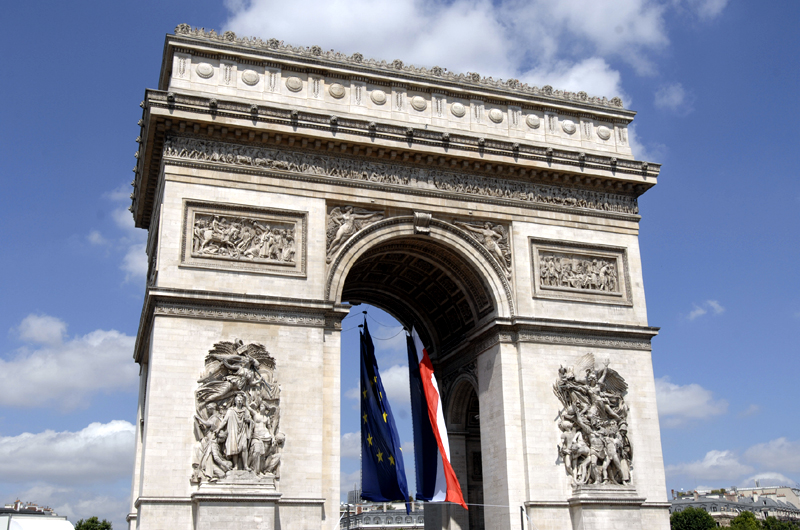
(745, 521)
(691, 518)
(93, 523)
(771, 523)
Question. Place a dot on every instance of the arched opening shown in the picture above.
(448, 292)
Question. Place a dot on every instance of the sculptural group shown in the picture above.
(243, 238)
(594, 424)
(238, 414)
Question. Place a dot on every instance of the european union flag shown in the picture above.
(383, 475)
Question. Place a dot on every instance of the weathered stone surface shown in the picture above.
(500, 219)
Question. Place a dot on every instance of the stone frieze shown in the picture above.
(356, 169)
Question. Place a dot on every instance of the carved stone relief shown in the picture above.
(494, 237)
(204, 70)
(223, 236)
(378, 97)
(250, 77)
(594, 447)
(238, 417)
(343, 222)
(580, 272)
(295, 84)
(365, 170)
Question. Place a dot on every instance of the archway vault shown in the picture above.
(443, 281)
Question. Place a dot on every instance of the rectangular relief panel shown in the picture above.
(565, 270)
(244, 238)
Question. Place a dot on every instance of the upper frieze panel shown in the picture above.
(436, 74)
(223, 65)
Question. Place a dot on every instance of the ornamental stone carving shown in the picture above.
(494, 237)
(594, 447)
(294, 83)
(418, 103)
(604, 132)
(250, 77)
(592, 273)
(336, 91)
(343, 222)
(378, 97)
(435, 73)
(458, 110)
(533, 121)
(222, 236)
(237, 424)
(496, 115)
(204, 70)
(246, 156)
(568, 126)
(243, 238)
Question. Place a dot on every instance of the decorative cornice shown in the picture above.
(226, 306)
(221, 312)
(583, 340)
(471, 80)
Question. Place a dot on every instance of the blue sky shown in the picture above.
(715, 83)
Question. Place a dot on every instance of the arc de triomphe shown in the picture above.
(280, 184)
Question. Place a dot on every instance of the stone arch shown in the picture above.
(444, 281)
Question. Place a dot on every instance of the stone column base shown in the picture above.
(605, 507)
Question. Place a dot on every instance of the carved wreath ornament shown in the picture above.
(238, 416)
(594, 423)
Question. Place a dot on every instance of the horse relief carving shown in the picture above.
(243, 238)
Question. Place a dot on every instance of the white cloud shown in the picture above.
(347, 481)
(707, 9)
(780, 454)
(395, 382)
(752, 410)
(96, 238)
(65, 374)
(42, 329)
(716, 465)
(352, 393)
(652, 152)
(680, 403)
(700, 310)
(100, 452)
(134, 264)
(83, 502)
(671, 97)
(697, 311)
(350, 445)
(769, 479)
(565, 44)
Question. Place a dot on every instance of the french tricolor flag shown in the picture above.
(436, 480)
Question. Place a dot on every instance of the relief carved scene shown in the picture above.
(243, 238)
(237, 423)
(238, 237)
(343, 222)
(574, 271)
(358, 169)
(594, 447)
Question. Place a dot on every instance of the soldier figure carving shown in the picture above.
(594, 446)
(238, 415)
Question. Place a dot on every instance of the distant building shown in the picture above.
(379, 516)
(723, 505)
(28, 516)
